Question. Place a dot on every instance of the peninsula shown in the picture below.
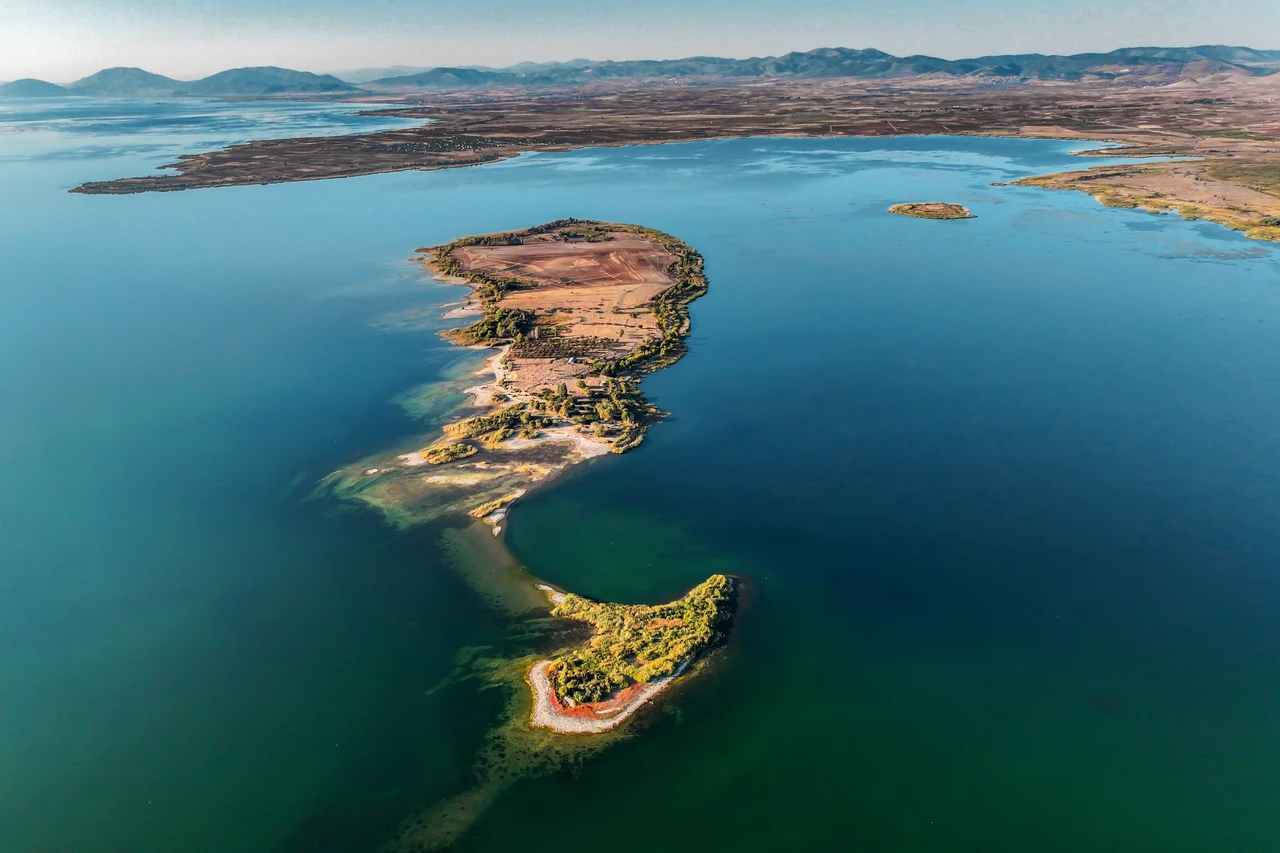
(577, 312)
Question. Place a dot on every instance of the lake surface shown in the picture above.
(1003, 493)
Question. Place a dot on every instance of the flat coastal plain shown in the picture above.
(1225, 124)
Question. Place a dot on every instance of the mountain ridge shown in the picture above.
(126, 82)
(266, 80)
(29, 87)
(1136, 65)
(868, 63)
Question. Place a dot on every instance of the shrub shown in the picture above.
(635, 643)
(442, 453)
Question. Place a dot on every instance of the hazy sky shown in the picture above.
(61, 40)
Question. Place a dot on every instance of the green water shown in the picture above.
(1002, 493)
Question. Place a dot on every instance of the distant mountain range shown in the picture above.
(361, 76)
(29, 88)
(266, 81)
(1136, 65)
(136, 83)
(1154, 63)
(124, 82)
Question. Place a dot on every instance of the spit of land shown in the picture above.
(576, 312)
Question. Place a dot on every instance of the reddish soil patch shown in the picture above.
(593, 296)
(626, 259)
(597, 710)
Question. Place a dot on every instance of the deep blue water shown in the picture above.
(1003, 492)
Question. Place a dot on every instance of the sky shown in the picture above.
(61, 40)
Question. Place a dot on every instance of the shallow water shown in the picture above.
(1003, 493)
(78, 127)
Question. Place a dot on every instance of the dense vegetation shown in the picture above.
(636, 643)
(442, 453)
(512, 417)
(498, 326)
(617, 408)
(500, 425)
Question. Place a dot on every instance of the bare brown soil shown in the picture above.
(626, 259)
(586, 292)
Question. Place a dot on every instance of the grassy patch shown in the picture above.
(492, 506)
(1233, 133)
(1259, 173)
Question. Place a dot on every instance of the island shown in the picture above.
(635, 652)
(933, 210)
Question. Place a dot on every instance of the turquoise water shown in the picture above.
(1003, 493)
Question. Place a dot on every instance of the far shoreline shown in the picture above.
(1226, 174)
